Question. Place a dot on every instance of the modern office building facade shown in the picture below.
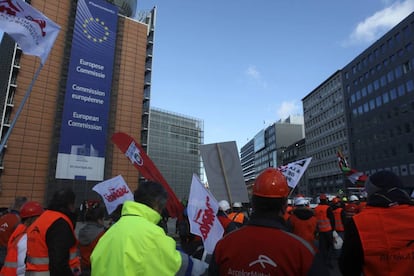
(267, 147)
(379, 96)
(174, 145)
(30, 162)
(325, 132)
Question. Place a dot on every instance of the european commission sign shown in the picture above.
(85, 114)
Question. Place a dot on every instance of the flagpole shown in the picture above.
(224, 173)
(19, 110)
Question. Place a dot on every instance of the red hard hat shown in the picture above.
(335, 200)
(271, 183)
(322, 196)
(31, 209)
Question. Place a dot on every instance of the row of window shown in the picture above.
(401, 170)
(387, 78)
(407, 32)
(329, 126)
(385, 98)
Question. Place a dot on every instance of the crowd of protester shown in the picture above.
(271, 235)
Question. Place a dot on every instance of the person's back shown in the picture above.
(90, 234)
(303, 223)
(264, 246)
(379, 240)
(136, 245)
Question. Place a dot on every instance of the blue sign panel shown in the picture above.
(85, 114)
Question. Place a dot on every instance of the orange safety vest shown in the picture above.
(37, 252)
(387, 239)
(237, 217)
(321, 214)
(304, 228)
(339, 225)
(10, 263)
(351, 209)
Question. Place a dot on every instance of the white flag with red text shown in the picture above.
(32, 30)
(114, 191)
(202, 209)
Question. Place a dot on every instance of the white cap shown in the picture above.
(224, 205)
(300, 201)
(237, 204)
(353, 198)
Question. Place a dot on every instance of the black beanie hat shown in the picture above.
(382, 180)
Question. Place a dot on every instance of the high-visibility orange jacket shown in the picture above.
(237, 217)
(351, 209)
(339, 224)
(10, 263)
(387, 239)
(37, 250)
(304, 228)
(321, 213)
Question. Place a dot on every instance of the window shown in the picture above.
(410, 86)
(370, 88)
(393, 94)
(398, 71)
(383, 81)
(378, 101)
(409, 47)
(376, 84)
(406, 67)
(358, 95)
(372, 104)
(364, 91)
(366, 108)
(390, 76)
(385, 98)
(401, 90)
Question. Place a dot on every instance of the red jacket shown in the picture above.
(261, 250)
(351, 209)
(321, 213)
(387, 239)
(37, 250)
(10, 263)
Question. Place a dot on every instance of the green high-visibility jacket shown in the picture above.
(135, 245)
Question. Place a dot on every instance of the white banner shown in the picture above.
(32, 30)
(294, 171)
(202, 209)
(114, 192)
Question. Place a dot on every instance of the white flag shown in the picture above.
(294, 171)
(202, 209)
(32, 30)
(114, 191)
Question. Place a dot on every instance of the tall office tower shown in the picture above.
(95, 82)
(379, 96)
(174, 145)
(326, 132)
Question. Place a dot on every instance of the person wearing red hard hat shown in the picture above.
(17, 246)
(264, 246)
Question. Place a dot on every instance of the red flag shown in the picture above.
(356, 177)
(147, 169)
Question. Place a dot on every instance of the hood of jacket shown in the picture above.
(303, 213)
(132, 208)
(89, 232)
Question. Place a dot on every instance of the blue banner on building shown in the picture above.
(85, 114)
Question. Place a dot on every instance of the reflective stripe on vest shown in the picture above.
(324, 224)
(11, 259)
(339, 226)
(37, 251)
